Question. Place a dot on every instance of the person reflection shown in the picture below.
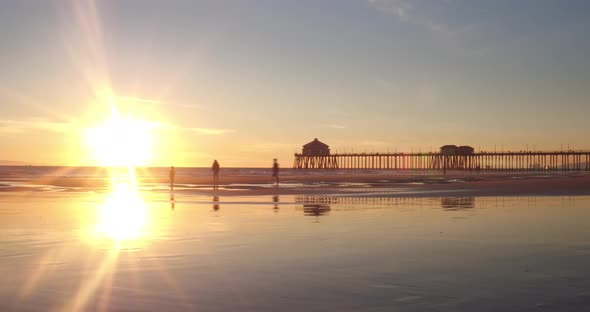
(457, 203)
(172, 201)
(215, 203)
(275, 200)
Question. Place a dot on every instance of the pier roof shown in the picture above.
(315, 144)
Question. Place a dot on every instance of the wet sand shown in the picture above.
(538, 184)
(89, 252)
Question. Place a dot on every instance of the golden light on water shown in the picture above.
(123, 215)
(118, 220)
(121, 221)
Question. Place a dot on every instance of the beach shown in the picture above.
(72, 251)
(244, 181)
(318, 156)
(79, 239)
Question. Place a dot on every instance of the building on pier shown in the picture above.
(465, 150)
(452, 150)
(448, 150)
(316, 148)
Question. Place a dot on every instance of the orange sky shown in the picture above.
(248, 83)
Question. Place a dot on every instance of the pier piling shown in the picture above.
(501, 161)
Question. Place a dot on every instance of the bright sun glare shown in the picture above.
(121, 141)
(123, 215)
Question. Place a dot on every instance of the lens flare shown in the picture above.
(123, 215)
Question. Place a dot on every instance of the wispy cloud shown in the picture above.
(133, 99)
(335, 126)
(210, 131)
(374, 143)
(197, 130)
(193, 106)
(268, 147)
(399, 8)
(415, 12)
(20, 126)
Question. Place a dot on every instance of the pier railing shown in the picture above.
(513, 161)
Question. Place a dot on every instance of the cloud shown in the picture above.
(198, 130)
(193, 106)
(210, 131)
(374, 142)
(416, 13)
(267, 147)
(398, 8)
(20, 126)
(133, 99)
(336, 126)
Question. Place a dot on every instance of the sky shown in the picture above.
(247, 81)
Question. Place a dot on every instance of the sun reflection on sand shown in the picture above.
(126, 216)
(123, 215)
(124, 223)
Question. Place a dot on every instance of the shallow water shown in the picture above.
(60, 179)
(143, 251)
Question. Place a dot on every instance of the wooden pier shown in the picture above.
(501, 161)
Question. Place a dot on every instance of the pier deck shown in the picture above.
(513, 161)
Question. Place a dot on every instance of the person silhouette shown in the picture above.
(215, 169)
(172, 175)
(275, 171)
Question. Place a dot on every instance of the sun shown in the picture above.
(121, 142)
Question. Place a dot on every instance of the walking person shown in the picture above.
(215, 169)
(172, 175)
(275, 171)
